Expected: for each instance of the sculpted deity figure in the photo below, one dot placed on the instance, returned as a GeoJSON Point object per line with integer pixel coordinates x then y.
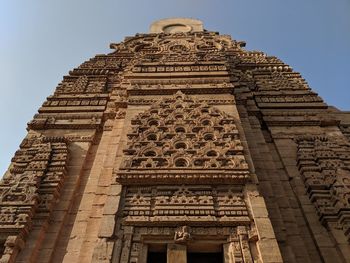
{"type": "Point", "coordinates": [182, 235]}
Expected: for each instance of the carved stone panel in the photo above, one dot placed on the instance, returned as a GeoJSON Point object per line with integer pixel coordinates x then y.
{"type": "Point", "coordinates": [324, 163]}
{"type": "Point", "coordinates": [30, 189]}
{"type": "Point", "coordinates": [194, 205]}
{"type": "Point", "coordinates": [182, 139]}
{"type": "Point", "coordinates": [233, 242]}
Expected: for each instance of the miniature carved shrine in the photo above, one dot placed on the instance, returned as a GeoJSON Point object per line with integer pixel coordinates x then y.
{"type": "Point", "coordinates": [180, 146]}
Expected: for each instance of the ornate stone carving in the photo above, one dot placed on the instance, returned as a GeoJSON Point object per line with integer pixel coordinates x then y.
{"type": "Point", "coordinates": [192, 204]}
{"type": "Point", "coordinates": [324, 163]}
{"type": "Point", "coordinates": [31, 186]}
{"type": "Point", "coordinates": [182, 234]}
{"type": "Point", "coordinates": [184, 170]}
{"type": "Point", "coordinates": [180, 135]}
{"type": "Point", "coordinates": [143, 101]}
{"type": "Point", "coordinates": [82, 84]}
{"type": "Point", "coordinates": [236, 246]}
{"type": "Point", "coordinates": [178, 43]}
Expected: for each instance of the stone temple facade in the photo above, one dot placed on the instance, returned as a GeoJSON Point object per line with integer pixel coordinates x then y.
{"type": "Point", "coordinates": [180, 146]}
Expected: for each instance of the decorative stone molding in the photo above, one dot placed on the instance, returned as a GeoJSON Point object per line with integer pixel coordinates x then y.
{"type": "Point", "coordinates": [324, 164]}
{"type": "Point", "coordinates": [180, 136]}
{"type": "Point", "coordinates": [237, 246]}
{"type": "Point", "coordinates": [193, 205]}
{"type": "Point", "coordinates": [30, 188]}
{"type": "Point", "coordinates": [144, 101]}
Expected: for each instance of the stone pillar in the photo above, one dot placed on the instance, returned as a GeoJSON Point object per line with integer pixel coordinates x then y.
{"type": "Point", "coordinates": [176, 253]}
{"type": "Point", "coordinates": [232, 251]}
{"type": "Point", "coordinates": [143, 254]}
{"type": "Point", "coordinates": [227, 254]}
{"type": "Point", "coordinates": [267, 244]}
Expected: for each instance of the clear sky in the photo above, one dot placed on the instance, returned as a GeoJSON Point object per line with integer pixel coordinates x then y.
{"type": "Point", "coordinates": [40, 41]}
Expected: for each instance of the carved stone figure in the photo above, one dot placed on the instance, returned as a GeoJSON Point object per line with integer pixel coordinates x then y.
{"type": "Point", "coordinates": [182, 235]}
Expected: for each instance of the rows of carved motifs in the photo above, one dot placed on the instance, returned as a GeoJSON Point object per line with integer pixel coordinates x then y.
{"type": "Point", "coordinates": [95, 67]}
{"type": "Point", "coordinates": [175, 84]}
{"type": "Point", "coordinates": [29, 190]}
{"type": "Point", "coordinates": [180, 133]}
{"type": "Point", "coordinates": [32, 185]}
{"type": "Point", "coordinates": [80, 101]}
{"type": "Point", "coordinates": [69, 94]}
{"type": "Point", "coordinates": [239, 247]}
{"type": "Point", "coordinates": [179, 128]}
{"type": "Point", "coordinates": [272, 85]}
{"type": "Point", "coordinates": [324, 163]}
{"type": "Point", "coordinates": [236, 75]}
{"type": "Point", "coordinates": [282, 98]}
{"type": "Point", "coordinates": [120, 99]}
{"type": "Point", "coordinates": [277, 96]}
{"type": "Point", "coordinates": [298, 105]}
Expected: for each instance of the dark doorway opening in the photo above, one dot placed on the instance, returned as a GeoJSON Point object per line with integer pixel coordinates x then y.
{"type": "Point", "coordinates": [156, 253]}
{"type": "Point", "coordinates": [204, 257]}
{"type": "Point", "coordinates": [156, 257]}
{"type": "Point", "coordinates": [2, 247]}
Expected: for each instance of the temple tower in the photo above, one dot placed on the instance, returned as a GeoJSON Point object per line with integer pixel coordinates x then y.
{"type": "Point", "coordinates": [180, 146]}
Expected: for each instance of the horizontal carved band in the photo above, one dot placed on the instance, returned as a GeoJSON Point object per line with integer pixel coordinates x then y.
{"type": "Point", "coordinates": [217, 177]}
{"type": "Point", "coordinates": [195, 205]}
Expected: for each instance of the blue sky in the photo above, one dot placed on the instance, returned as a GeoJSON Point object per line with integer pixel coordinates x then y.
{"type": "Point", "coordinates": [42, 40]}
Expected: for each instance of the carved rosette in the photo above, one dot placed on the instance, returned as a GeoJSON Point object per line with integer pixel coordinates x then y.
{"type": "Point", "coordinates": [179, 140]}
{"type": "Point", "coordinates": [324, 163]}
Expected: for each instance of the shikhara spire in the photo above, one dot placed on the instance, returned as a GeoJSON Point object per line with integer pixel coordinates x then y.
{"type": "Point", "coordinates": [180, 146]}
